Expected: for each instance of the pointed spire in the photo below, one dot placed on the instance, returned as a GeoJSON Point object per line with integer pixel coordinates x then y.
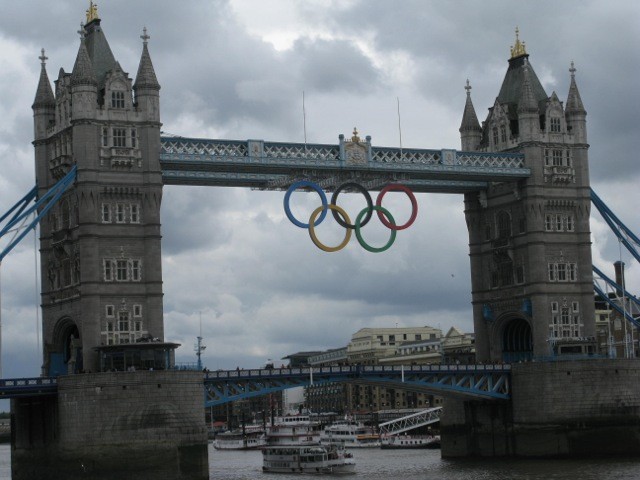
{"type": "Point", "coordinates": [527, 102]}
{"type": "Point", "coordinates": [469, 118]}
{"type": "Point", "coordinates": [574, 102]}
{"type": "Point", "coordinates": [146, 76]}
{"type": "Point", "coordinates": [83, 73]}
{"type": "Point", "coordinates": [44, 93]}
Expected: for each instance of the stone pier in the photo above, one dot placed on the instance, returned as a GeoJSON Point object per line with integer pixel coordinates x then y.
{"type": "Point", "coordinates": [142, 425]}
{"type": "Point", "coordinates": [558, 409]}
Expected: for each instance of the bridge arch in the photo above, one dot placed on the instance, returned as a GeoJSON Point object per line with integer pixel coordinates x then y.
{"type": "Point", "coordinates": [65, 352]}
{"type": "Point", "coordinates": [516, 338]}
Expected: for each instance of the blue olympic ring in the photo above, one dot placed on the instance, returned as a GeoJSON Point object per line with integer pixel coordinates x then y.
{"type": "Point", "coordinates": [323, 198]}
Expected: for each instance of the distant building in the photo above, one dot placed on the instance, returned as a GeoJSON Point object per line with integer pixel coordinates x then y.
{"type": "Point", "coordinates": [615, 336]}
{"type": "Point", "coordinates": [458, 347]}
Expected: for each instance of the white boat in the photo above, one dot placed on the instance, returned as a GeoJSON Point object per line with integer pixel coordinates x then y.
{"type": "Point", "coordinates": [350, 434]}
{"type": "Point", "coordinates": [250, 439]}
{"type": "Point", "coordinates": [410, 441]}
{"type": "Point", "coordinates": [307, 459]}
{"type": "Point", "coordinates": [293, 430]}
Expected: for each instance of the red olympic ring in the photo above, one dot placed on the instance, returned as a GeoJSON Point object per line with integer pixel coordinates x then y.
{"type": "Point", "coordinates": [396, 187]}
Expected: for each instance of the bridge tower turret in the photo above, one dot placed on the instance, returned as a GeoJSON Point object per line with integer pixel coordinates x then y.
{"type": "Point", "coordinates": [530, 248]}
{"type": "Point", "coordinates": [100, 245]}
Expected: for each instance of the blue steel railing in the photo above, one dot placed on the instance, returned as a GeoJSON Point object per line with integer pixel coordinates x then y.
{"type": "Point", "coordinates": [479, 381]}
{"type": "Point", "coordinates": [28, 387]}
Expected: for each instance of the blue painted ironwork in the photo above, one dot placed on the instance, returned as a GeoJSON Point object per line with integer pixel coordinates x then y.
{"type": "Point", "coordinates": [624, 234]}
{"type": "Point", "coordinates": [44, 203]}
{"type": "Point", "coordinates": [490, 382]}
{"type": "Point", "coordinates": [28, 387]}
{"type": "Point", "coordinates": [275, 166]}
{"type": "Point", "coordinates": [617, 306]}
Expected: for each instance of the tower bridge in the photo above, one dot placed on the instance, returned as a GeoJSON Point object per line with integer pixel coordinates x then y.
{"type": "Point", "coordinates": [524, 174]}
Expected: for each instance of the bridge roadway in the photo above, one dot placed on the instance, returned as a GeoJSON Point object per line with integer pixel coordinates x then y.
{"type": "Point", "coordinates": [275, 166]}
{"type": "Point", "coordinates": [480, 381]}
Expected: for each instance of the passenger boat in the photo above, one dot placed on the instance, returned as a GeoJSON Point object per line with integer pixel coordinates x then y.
{"type": "Point", "coordinates": [249, 439]}
{"type": "Point", "coordinates": [293, 430]}
{"type": "Point", "coordinates": [307, 459]}
{"type": "Point", "coordinates": [410, 441]}
{"type": "Point", "coordinates": [350, 434]}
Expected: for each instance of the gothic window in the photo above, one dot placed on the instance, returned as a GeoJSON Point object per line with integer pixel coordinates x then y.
{"type": "Point", "coordinates": [503, 133]}
{"type": "Point", "coordinates": [503, 221]}
{"type": "Point", "coordinates": [506, 273]}
{"type": "Point", "coordinates": [106, 213]}
{"type": "Point", "coordinates": [134, 138]}
{"type": "Point", "coordinates": [109, 310]}
{"type": "Point", "coordinates": [123, 321]}
{"type": "Point", "coordinates": [557, 157]}
{"type": "Point", "coordinates": [134, 213]}
{"type": "Point", "coordinates": [108, 270]}
{"type": "Point", "coordinates": [548, 222]}
{"type": "Point", "coordinates": [121, 270]}
{"type": "Point", "coordinates": [552, 272]}
{"type": "Point", "coordinates": [105, 137]}
{"type": "Point", "coordinates": [117, 99]}
{"type": "Point", "coordinates": [136, 274]}
{"type": "Point", "coordinates": [561, 272]}
{"type": "Point", "coordinates": [487, 231]}
{"type": "Point", "coordinates": [119, 137]}
{"type": "Point", "coordinates": [568, 223]}
{"type": "Point", "coordinates": [571, 272]}
{"type": "Point", "coordinates": [495, 135]}
{"type": "Point", "coordinates": [559, 223]}
{"type": "Point", "coordinates": [555, 124]}
{"type": "Point", "coordinates": [137, 310]}
{"type": "Point", "coordinates": [120, 215]}
{"type": "Point", "coordinates": [109, 326]}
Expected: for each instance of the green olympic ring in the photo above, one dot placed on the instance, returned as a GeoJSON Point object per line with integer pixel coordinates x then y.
{"type": "Point", "coordinates": [392, 237]}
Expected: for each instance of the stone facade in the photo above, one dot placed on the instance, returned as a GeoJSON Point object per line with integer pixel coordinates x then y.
{"type": "Point", "coordinates": [100, 244]}
{"type": "Point", "coordinates": [530, 247]}
{"type": "Point", "coordinates": [558, 409]}
{"type": "Point", "coordinates": [143, 425]}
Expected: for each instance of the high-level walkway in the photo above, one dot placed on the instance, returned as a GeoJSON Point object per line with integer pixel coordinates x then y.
{"type": "Point", "coordinates": [273, 166]}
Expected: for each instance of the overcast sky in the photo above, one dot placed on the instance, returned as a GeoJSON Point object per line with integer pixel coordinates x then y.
{"type": "Point", "coordinates": [236, 69]}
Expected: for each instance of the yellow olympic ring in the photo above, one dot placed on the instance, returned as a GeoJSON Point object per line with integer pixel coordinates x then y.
{"type": "Point", "coordinates": [312, 232]}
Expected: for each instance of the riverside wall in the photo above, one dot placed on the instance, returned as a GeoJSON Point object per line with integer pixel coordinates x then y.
{"type": "Point", "coordinates": [120, 425]}
{"type": "Point", "coordinates": [558, 409]}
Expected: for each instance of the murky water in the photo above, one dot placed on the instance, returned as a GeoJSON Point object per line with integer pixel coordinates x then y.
{"type": "Point", "coordinates": [376, 464]}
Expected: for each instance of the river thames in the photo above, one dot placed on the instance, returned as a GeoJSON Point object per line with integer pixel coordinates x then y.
{"type": "Point", "coordinates": [376, 464]}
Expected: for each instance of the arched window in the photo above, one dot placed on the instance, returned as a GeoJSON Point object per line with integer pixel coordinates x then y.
{"type": "Point", "coordinates": [503, 225]}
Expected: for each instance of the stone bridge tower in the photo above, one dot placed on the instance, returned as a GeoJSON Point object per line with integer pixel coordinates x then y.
{"type": "Point", "coordinates": [100, 245]}
{"type": "Point", "coordinates": [530, 247]}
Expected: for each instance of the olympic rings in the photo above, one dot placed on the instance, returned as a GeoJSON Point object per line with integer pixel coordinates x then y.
{"type": "Point", "coordinates": [295, 186]}
{"type": "Point", "coordinates": [381, 211]}
{"type": "Point", "coordinates": [342, 217]}
{"type": "Point", "coordinates": [337, 210]}
{"type": "Point", "coordinates": [367, 197]}
{"type": "Point", "coordinates": [414, 204]}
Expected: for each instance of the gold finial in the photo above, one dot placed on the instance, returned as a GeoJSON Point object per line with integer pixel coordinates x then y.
{"type": "Point", "coordinates": [92, 12]}
{"type": "Point", "coordinates": [355, 137]}
{"type": "Point", "coordinates": [518, 49]}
